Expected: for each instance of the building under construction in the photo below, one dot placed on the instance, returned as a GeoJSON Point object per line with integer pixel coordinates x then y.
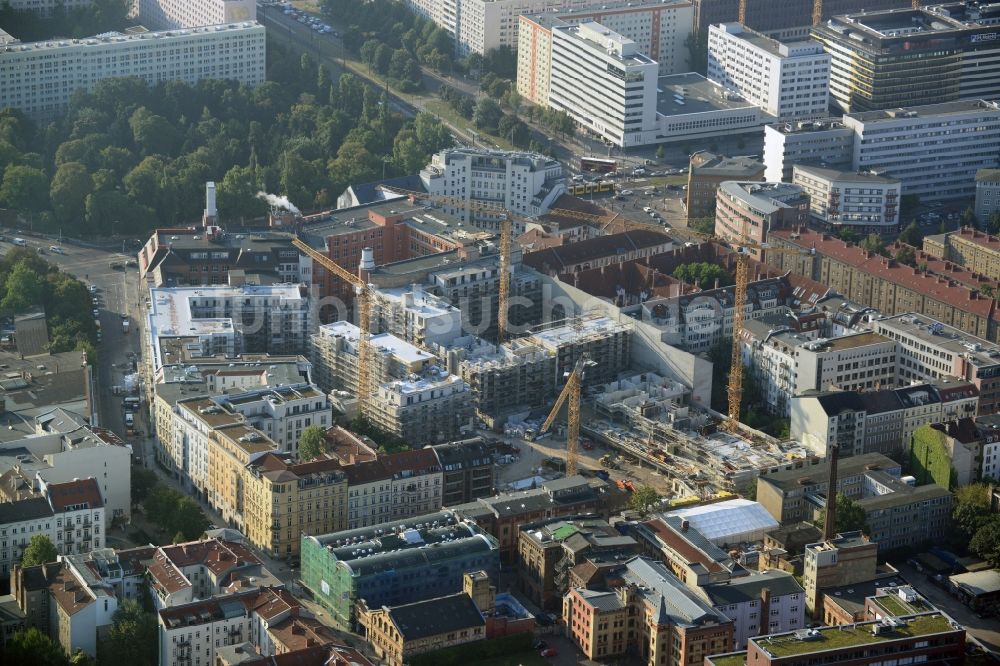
{"type": "Point", "coordinates": [606, 341]}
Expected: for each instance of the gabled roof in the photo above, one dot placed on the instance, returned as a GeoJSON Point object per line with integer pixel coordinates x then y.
{"type": "Point", "coordinates": [84, 492]}
{"type": "Point", "coordinates": [749, 588]}
{"type": "Point", "coordinates": [434, 617]}
{"type": "Point", "coordinates": [559, 258]}
{"type": "Point", "coordinates": [26, 509]}
{"type": "Point", "coordinates": [416, 461]}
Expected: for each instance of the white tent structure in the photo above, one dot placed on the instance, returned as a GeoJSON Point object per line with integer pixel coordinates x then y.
{"type": "Point", "coordinates": [730, 522]}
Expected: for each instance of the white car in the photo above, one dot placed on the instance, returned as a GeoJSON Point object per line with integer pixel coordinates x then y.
{"type": "Point", "coordinates": [56, 249]}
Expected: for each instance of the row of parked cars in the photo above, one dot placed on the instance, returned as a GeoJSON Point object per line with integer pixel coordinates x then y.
{"type": "Point", "coordinates": [302, 17]}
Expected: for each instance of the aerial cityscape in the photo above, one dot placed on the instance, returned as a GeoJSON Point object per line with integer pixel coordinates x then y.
{"type": "Point", "coordinates": [499, 332]}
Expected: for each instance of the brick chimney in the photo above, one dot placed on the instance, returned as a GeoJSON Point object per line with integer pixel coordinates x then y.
{"type": "Point", "coordinates": [765, 612]}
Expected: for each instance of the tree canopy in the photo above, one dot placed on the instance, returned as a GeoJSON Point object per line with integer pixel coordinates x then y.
{"type": "Point", "coordinates": [311, 443]}
{"type": "Point", "coordinates": [40, 550]}
{"type": "Point", "coordinates": [643, 499]}
{"type": "Point", "coordinates": [30, 646]}
{"type": "Point", "coordinates": [175, 513]}
{"type": "Point", "coordinates": [132, 638]}
{"type": "Point", "coordinates": [850, 516]}
{"type": "Point", "coordinates": [704, 273]}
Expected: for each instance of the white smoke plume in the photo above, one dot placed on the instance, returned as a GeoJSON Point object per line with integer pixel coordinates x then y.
{"type": "Point", "coordinates": [279, 202]}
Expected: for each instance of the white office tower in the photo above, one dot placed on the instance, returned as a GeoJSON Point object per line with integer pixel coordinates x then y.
{"type": "Point", "coordinates": [790, 81]}
{"type": "Point", "coordinates": [602, 81]}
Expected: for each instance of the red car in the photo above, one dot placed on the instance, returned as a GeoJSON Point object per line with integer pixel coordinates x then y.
{"type": "Point", "coordinates": [549, 652]}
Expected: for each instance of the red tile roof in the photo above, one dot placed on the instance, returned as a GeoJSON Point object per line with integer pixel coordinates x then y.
{"type": "Point", "coordinates": [422, 461]}
{"type": "Point", "coordinates": [979, 238]}
{"type": "Point", "coordinates": [945, 268]}
{"type": "Point", "coordinates": [75, 493]}
{"type": "Point", "coordinates": [682, 546]}
{"type": "Point", "coordinates": [938, 288]}
{"type": "Point", "coordinates": [593, 249]}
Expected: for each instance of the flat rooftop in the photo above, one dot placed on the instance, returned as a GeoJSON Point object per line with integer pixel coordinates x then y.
{"type": "Point", "coordinates": [960, 107]}
{"type": "Point", "coordinates": [106, 38]}
{"type": "Point", "coordinates": [853, 341]}
{"type": "Point", "coordinates": [681, 94]}
{"type": "Point", "coordinates": [386, 343]}
{"type": "Point", "coordinates": [419, 302]}
{"type": "Point", "coordinates": [808, 126]}
{"type": "Point", "coordinates": [977, 350]}
{"type": "Point", "coordinates": [600, 38]}
{"type": "Point", "coordinates": [847, 636]}
{"type": "Point", "coordinates": [577, 332]}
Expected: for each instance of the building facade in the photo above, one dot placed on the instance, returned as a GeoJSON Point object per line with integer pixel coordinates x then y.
{"type": "Point", "coordinates": [788, 80]}
{"type": "Point", "coordinates": [706, 172]}
{"type": "Point", "coordinates": [846, 200]}
{"type": "Point", "coordinates": [39, 78]}
{"type": "Point", "coordinates": [746, 212]}
{"type": "Point", "coordinates": [175, 14]}
{"type": "Point", "coordinates": [825, 142]}
{"type": "Point", "coordinates": [987, 195]}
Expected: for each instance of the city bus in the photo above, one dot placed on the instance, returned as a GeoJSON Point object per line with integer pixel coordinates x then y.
{"type": "Point", "coordinates": [598, 164]}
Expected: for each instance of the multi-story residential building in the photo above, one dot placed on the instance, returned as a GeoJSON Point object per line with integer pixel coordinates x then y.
{"type": "Point", "coordinates": [197, 256]}
{"type": "Point", "coordinates": [433, 552]}
{"type": "Point", "coordinates": [205, 321]}
{"type": "Point", "coordinates": [503, 515]}
{"type": "Point", "coordinates": [81, 453]}
{"type": "Point", "coordinates": [706, 171]}
{"type": "Point", "coordinates": [70, 514]}
{"type": "Point", "coordinates": [976, 250]}
{"type": "Point", "coordinates": [401, 632]}
{"type": "Point", "coordinates": [231, 449]}
{"type": "Point", "coordinates": [174, 14]}
{"type": "Point", "coordinates": [881, 283]}
{"type": "Point", "coordinates": [417, 316]}
{"type": "Point", "coordinates": [369, 494]}
{"type": "Point", "coordinates": [928, 350]}
{"type": "Point", "coordinates": [839, 199]}
{"type": "Point", "coordinates": [987, 195]}
{"type": "Point", "coordinates": [880, 421]}
{"type": "Point", "coordinates": [284, 500]}
{"type": "Point", "coordinates": [335, 357]}
{"type": "Point", "coordinates": [601, 251]}
{"type": "Point", "coordinates": [747, 212]}
{"type": "Point", "coordinates": [649, 612]}
{"type": "Point", "coordinates": [467, 470]}
{"type": "Point", "coordinates": [235, 51]}
{"type": "Point", "coordinates": [659, 30]}
{"type": "Point", "coordinates": [281, 413]}
{"type": "Point", "coordinates": [826, 142]}
{"type": "Point", "coordinates": [688, 554]}
{"type": "Point", "coordinates": [788, 80]}
{"type": "Point", "coordinates": [931, 637]}
{"type": "Point", "coordinates": [759, 604]}
{"type": "Point", "coordinates": [431, 408]}
{"type": "Point", "coordinates": [606, 341]}
{"type": "Point", "coordinates": [906, 57]}
{"type": "Point", "coordinates": [415, 482]}
{"type": "Point", "coordinates": [547, 549]}
{"type": "Point", "coordinates": [526, 184]}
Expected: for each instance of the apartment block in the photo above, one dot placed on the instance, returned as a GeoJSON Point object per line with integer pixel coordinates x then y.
{"type": "Point", "coordinates": [175, 14]}
{"type": "Point", "coordinates": [928, 350]}
{"type": "Point", "coordinates": [70, 514]}
{"type": "Point", "coordinates": [758, 604]}
{"type": "Point", "coordinates": [466, 470]}
{"type": "Point", "coordinates": [881, 283]}
{"type": "Point", "coordinates": [987, 195]}
{"type": "Point", "coordinates": [431, 408]}
{"type": "Point", "coordinates": [607, 342]}
{"type": "Point", "coordinates": [750, 211]}
{"type": "Point", "coordinates": [416, 482]}
{"type": "Point", "coordinates": [526, 184]}
{"type": "Point", "coordinates": [881, 421]}
{"type": "Point", "coordinates": [285, 500]}
{"type": "Point", "coordinates": [648, 612]}
{"type": "Point", "coordinates": [234, 51]}
{"type": "Point", "coordinates": [199, 256]}
{"type": "Point", "coordinates": [335, 357]}
{"type": "Point", "coordinates": [975, 250]}
{"type": "Point", "coordinates": [788, 80]}
{"type": "Point", "coordinates": [548, 549]}
{"type": "Point", "coordinates": [843, 560]}
{"type": "Point", "coordinates": [45, 8]}
{"type": "Point", "coordinates": [232, 448]}
{"type": "Point", "coordinates": [61, 457]}
{"type": "Point", "coordinates": [281, 413]}
{"type": "Point", "coordinates": [417, 316]}
{"type": "Point", "coordinates": [433, 551]}
{"type": "Point", "coordinates": [505, 378]}
{"type": "Point", "coordinates": [604, 250]}
{"type": "Point", "coordinates": [906, 57]}
{"type": "Point", "coordinates": [707, 171]}
{"type": "Point", "coordinates": [863, 202]}
{"type": "Point", "coordinates": [931, 637]}
{"type": "Point", "coordinates": [205, 321]}
{"type": "Point", "coordinates": [659, 29]}
{"type": "Point", "coordinates": [827, 142]}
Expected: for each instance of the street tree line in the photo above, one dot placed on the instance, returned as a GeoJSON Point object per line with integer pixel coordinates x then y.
{"type": "Point", "coordinates": [128, 157]}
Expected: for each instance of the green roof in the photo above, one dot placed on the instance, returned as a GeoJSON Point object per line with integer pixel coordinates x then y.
{"type": "Point", "coordinates": [731, 659]}
{"type": "Point", "coordinates": [834, 638]}
{"type": "Point", "coordinates": [564, 532]}
{"type": "Point", "coordinates": [896, 606]}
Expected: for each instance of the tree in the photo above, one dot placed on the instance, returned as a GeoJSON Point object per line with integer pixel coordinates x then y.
{"type": "Point", "coordinates": [189, 519]}
{"type": "Point", "coordinates": [969, 218]}
{"type": "Point", "coordinates": [906, 256]}
{"type": "Point", "coordinates": [907, 204]}
{"type": "Point", "coordinates": [24, 188]}
{"type": "Point", "coordinates": [70, 186]}
{"type": "Point", "coordinates": [132, 638]}
{"type": "Point", "coordinates": [847, 235]}
{"type": "Point", "coordinates": [697, 46]}
{"type": "Point", "coordinates": [40, 550]}
{"type": "Point", "coordinates": [911, 235]}
{"type": "Point", "coordinates": [30, 646]}
{"type": "Point", "coordinates": [238, 195]}
{"type": "Point", "coordinates": [143, 483]}
{"type": "Point", "coordinates": [23, 288]}
{"type": "Point", "coordinates": [178, 538]}
{"type": "Point", "coordinates": [487, 115]}
{"type": "Point", "coordinates": [382, 58]}
{"type": "Point", "coordinates": [705, 274]}
{"type": "Point", "coordinates": [312, 443]}
{"type": "Point", "coordinates": [971, 509]}
{"type": "Point", "coordinates": [850, 516]}
{"type": "Point", "coordinates": [873, 243]}
{"type": "Point", "coordinates": [644, 499]}
{"type": "Point", "coordinates": [153, 134]}
{"type": "Point", "coordinates": [986, 542]}
{"type": "Point", "coordinates": [995, 223]}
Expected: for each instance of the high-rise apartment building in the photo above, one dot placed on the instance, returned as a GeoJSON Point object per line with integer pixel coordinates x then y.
{"type": "Point", "coordinates": [174, 14]}
{"type": "Point", "coordinates": [39, 78]}
{"type": "Point", "coordinates": [788, 80]}
{"type": "Point", "coordinates": [907, 57]}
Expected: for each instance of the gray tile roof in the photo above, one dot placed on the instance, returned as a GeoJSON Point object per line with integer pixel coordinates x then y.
{"type": "Point", "coordinates": [748, 588]}
{"type": "Point", "coordinates": [28, 509]}
{"type": "Point", "coordinates": [436, 616]}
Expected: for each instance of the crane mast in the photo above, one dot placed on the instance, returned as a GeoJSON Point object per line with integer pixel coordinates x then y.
{"type": "Point", "coordinates": [571, 395]}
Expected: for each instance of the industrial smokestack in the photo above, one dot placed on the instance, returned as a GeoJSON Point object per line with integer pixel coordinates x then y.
{"type": "Point", "coordinates": [830, 524]}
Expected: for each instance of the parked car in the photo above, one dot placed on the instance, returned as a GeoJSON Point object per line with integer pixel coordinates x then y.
{"type": "Point", "coordinates": [56, 249]}
{"type": "Point", "coordinates": [549, 652]}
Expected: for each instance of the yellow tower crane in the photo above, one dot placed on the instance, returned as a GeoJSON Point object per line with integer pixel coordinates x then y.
{"type": "Point", "coordinates": [570, 394]}
{"type": "Point", "coordinates": [366, 296]}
